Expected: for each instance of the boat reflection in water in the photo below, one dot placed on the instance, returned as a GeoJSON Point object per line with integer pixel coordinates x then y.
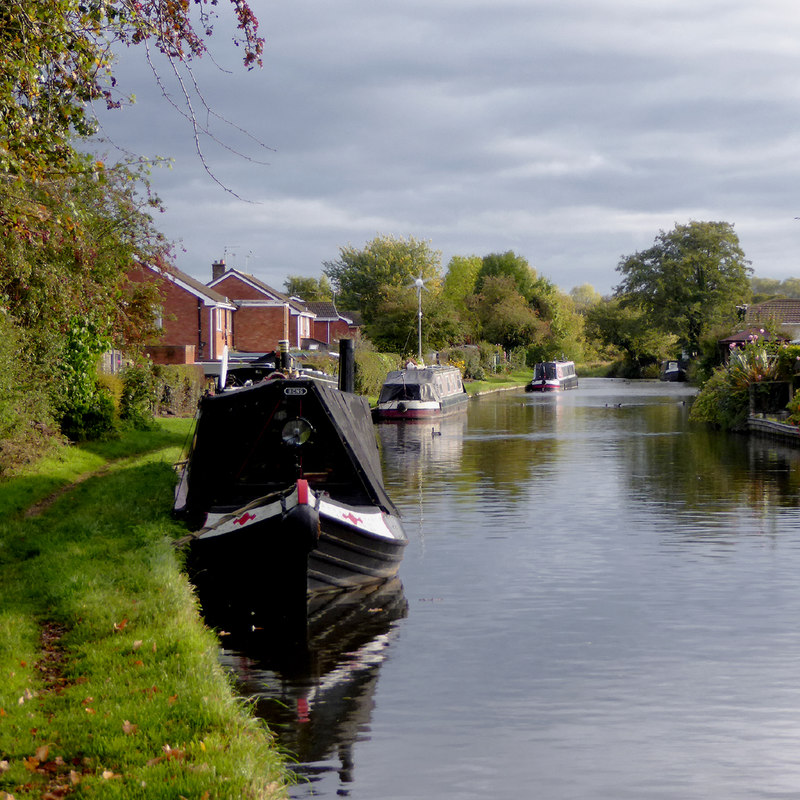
{"type": "Point", "coordinates": [316, 692]}
{"type": "Point", "coordinates": [437, 442]}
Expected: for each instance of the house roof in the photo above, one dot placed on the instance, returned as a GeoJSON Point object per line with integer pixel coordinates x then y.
{"type": "Point", "coordinates": [782, 311]}
{"type": "Point", "coordinates": [209, 296]}
{"type": "Point", "coordinates": [264, 288]}
{"type": "Point", "coordinates": [353, 317]}
{"type": "Point", "coordinates": [326, 311]}
{"type": "Point", "coordinates": [751, 334]}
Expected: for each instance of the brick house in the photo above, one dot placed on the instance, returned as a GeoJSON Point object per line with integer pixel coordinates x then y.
{"type": "Point", "coordinates": [329, 325]}
{"type": "Point", "coordinates": [196, 321]}
{"type": "Point", "coordinates": [264, 316]}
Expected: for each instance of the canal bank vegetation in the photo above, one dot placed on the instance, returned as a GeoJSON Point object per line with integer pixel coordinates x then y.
{"type": "Point", "coordinates": [110, 684]}
{"type": "Point", "coordinates": [757, 378]}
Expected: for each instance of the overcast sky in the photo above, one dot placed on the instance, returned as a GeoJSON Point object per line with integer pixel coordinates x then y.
{"type": "Point", "coordinates": [568, 131]}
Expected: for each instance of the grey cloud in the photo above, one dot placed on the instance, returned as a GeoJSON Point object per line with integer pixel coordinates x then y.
{"type": "Point", "coordinates": [571, 132]}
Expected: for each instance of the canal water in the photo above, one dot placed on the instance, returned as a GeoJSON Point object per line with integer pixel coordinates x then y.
{"type": "Point", "coordinates": [598, 600]}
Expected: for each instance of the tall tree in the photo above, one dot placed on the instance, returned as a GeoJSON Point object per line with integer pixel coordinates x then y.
{"type": "Point", "coordinates": [460, 280]}
{"type": "Point", "coordinates": [361, 276]}
{"type": "Point", "coordinates": [510, 265]}
{"type": "Point", "coordinates": [67, 292]}
{"type": "Point", "coordinates": [394, 326]}
{"type": "Point", "coordinates": [692, 278]}
{"type": "Point", "coordinates": [503, 315]}
{"type": "Point", "coordinates": [630, 330]}
{"type": "Point", "coordinates": [584, 297]}
{"type": "Point", "coordinates": [308, 289]}
{"type": "Point", "coordinates": [57, 60]}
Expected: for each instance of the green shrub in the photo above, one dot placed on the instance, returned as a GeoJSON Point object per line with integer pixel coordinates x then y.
{"type": "Point", "coordinates": [371, 369]}
{"type": "Point", "coordinates": [721, 403]}
{"type": "Point", "coordinates": [89, 418]}
{"type": "Point", "coordinates": [793, 407]}
{"type": "Point", "coordinates": [788, 357]}
{"type": "Point", "coordinates": [157, 389]}
{"type": "Point", "coordinates": [114, 386]}
{"type": "Point", "coordinates": [27, 425]}
{"type": "Point", "coordinates": [177, 389]}
{"type": "Point", "coordinates": [138, 395]}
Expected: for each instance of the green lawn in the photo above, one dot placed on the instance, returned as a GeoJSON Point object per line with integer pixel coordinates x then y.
{"type": "Point", "coordinates": [110, 685]}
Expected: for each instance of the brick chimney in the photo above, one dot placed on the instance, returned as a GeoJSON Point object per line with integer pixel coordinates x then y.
{"type": "Point", "coordinates": [217, 269]}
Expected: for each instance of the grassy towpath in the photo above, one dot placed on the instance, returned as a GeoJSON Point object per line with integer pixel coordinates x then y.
{"type": "Point", "coordinates": [498, 383]}
{"type": "Point", "coordinates": [110, 685]}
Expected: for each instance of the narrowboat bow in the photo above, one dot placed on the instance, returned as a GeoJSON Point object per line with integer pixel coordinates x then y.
{"type": "Point", "coordinates": [284, 495]}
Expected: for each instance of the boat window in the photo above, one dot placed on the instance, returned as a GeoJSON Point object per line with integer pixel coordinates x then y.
{"type": "Point", "coordinates": [427, 392]}
{"type": "Point", "coordinates": [546, 370]}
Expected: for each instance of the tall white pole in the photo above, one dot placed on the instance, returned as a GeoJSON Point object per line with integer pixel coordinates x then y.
{"type": "Point", "coordinates": [419, 284]}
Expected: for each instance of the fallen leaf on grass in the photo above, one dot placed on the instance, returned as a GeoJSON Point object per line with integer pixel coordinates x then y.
{"type": "Point", "coordinates": [172, 700]}
{"type": "Point", "coordinates": [4, 767]}
{"type": "Point", "coordinates": [137, 644]}
{"type": "Point", "coordinates": [120, 626]}
{"type": "Point", "coordinates": [6, 796]}
{"type": "Point", "coordinates": [169, 754]}
{"type": "Point", "coordinates": [108, 775]}
{"type": "Point", "coordinates": [27, 695]}
{"type": "Point", "coordinates": [128, 728]}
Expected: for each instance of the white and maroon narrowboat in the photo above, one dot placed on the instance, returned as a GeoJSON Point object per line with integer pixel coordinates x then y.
{"type": "Point", "coordinates": [421, 393]}
{"type": "Point", "coordinates": [553, 376]}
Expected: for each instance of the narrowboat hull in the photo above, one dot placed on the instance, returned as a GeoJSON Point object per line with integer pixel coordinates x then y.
{"type": "Point", "coordinates": [412, 409]}
{"type": "Point", "coordinates": [544, 387]}
{"type": "Point", "coordinates": [297, 544]}
{"type": "Point", "coordinates": [551, 386]}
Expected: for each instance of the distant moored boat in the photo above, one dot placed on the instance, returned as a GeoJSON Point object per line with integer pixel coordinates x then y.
{"type": "Point", "coordinates": [552, 376]}
{"type": "Point", "coordinates": [421, 392]}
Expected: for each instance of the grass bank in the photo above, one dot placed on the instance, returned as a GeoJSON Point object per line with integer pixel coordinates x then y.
{"type": "Point", "coordinates": [110, 685]}
{"type": "Point", "coordinates": [493, 383]}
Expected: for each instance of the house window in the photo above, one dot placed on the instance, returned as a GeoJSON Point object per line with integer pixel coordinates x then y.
{"type": "Point", "coordinates": [158, 314]}
{"type": "Point", "coordinates": [218, 312]}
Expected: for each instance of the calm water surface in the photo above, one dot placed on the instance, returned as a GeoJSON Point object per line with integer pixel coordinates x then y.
{"type": "Point", "coordinates": [597, 601]}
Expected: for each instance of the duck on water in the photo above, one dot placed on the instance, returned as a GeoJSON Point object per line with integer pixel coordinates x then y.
{"type": "Point", "coordinates": [283, 492]}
